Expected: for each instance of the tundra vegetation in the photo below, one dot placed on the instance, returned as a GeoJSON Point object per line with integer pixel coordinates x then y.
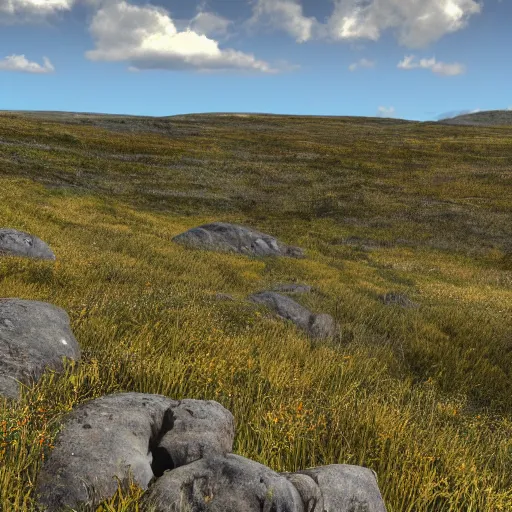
{"type": "Point", "coordinates": [422, 395]}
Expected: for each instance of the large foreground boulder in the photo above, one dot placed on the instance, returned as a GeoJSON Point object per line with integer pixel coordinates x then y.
{"type": "Point", "coordinates": [179, 450]}
{"type": "Point", "coordinates": [234, 483]}
{"type": "Point", "coordinates": [126, 435]}
{"type": "Point", "coordinates": [34, 336]}
{"type": "Point", "coordinates": [223, 484]}
{"type": "Point", "coordinates": [19, 243]}
{"type": "Point", "coordinates": [221, 236]}
{"type": "Point", "coordinates": [338, 488]}
{"type": "Point", "coordinates": [318, 326]}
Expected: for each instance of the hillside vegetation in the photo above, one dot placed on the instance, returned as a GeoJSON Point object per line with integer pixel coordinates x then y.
{"type": "Point", "coordinates": [485, 118]}
{"type": "Point", "coordinates": [423, 396]}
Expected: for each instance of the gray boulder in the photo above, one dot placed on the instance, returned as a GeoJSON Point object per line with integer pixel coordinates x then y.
{"type": "Point", "coordinates": [19, 243]}
{"type": "Point", "coordinates": [126, 435]}
{"type": "Point", "coordinates": [223, 484]}
{"type": "Point", "coordinates": [34, 336]}
{"type": "Point", "coordinates": [338, 488]}
{"type": "Point", "coordinates": [317, 326]}
{"type": "Point", "coordinates": [221, 236]}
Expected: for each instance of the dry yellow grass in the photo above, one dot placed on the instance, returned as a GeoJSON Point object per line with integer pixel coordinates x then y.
{"type": "Point", "coordinates": [422, 396]}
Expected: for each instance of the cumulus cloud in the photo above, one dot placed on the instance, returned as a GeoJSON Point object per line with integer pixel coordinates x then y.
{"type": "Point", "coordinates": [22, 64]}
{"type": "Point", "coordinates": [417, 22]}
{"type": "Point", "coordinates": [361, 63]}
{"type": "Point", "coordinates": [147, 38]}
{"type": "Point", "coordinates": [208, 24]}
{"type": "Point", "coordinates": [286, 15]}
{"type": "Point", "coordinates": [440, 68]}
{"type": "Point", "coordinates": [22, 11]}
{"type": "Point", "coordinates": [386, 112]}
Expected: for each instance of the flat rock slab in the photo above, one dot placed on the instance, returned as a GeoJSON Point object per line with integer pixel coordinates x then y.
{"type": "Point", "coordinates": [316, 325]}
{"type": "Point", "coordinates": [34, 336]}
{"type": "Point", "coordinates": [129, 434]}
{"type": "Point", "coordinates": [225, 237]}
{"type": "Point", "coordinates": [19, 243]}
{"type": "Point", "coordinates": [223, 484]}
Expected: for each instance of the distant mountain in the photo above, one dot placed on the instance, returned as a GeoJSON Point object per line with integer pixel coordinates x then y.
{"type": "Point", "coordinates": [484, 118]}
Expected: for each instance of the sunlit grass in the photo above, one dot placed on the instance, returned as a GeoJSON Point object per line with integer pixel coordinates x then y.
{"type": "Point", "coordinates": [422, 396]}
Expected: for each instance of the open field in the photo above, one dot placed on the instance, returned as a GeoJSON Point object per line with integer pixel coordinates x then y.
{"type": "Point", "coordinates": [422, 396]}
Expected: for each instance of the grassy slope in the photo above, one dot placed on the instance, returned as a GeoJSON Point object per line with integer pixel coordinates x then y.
{"type": "Point", "coordinates": [485, 118]}
{"type": "Point", "coordinates": [422, 396]}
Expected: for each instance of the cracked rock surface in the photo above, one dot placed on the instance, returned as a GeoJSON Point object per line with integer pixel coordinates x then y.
{"type": "Point", "coordinates": [34, 336]}
{"type": "Point", "coordinates": [122, 433]}
{"type": "Point", "coordinates": [19, 243]}
{"type": "Point", "coordinates": [179, 450]}
{"type": "Point", "coordinates": [222, 236]}
{"type": "Point", "coordinates": [316, 325]}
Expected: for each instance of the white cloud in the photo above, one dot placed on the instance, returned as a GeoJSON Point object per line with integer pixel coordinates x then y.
{"type": "Point", "coordinates": [362, 63]}
{"type": "Point", "coordinates": [13, 11]}
{"type": "Point", "coordinates": [286, 15]}
{"type": "Point", "coordinates": [438, 67]}
{"type": "Point", "coordinates": [20, 63]}
{"type": "Point", "coordinates": [417, 22]}
{"type": "Point", "coordinates": [208, 23]}
{"type": "Point", "coordinates": [386, 112]}
{"type": "Point", "coordinates": [147, 38]}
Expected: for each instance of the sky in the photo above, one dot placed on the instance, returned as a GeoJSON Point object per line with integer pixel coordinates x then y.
{"type": "Point", "coordinates": [410, 59]}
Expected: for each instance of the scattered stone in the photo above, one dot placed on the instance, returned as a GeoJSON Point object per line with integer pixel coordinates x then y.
{"type": "Point", "coordinates": [129, 434]}
{"type": "Point", "coordinates": [34, 336]}
{"type": "Point", "coordinates": [317, 326]}
{"type": "Point", "coordinates": [292, 288]}
{"type": "Point", "coordinates": [179, 452]}
{"type": "Point", "coordinates": [399, 299]}
{"type": "Point", "coordinates": [19, 243]}
{"type": "Point", "coordinates": [226, 237]}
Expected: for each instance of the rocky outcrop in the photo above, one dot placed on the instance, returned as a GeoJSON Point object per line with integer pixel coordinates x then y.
{"type": "Point", "coordinates": [319, 326]}
{"type": "Point", "coordinates": [179, 450]}
{"type": "Point", "coordinates": [129, 435]}
{"type": "Point", "coordinates": [34, 336]}
{"type": "Point", "coordinates": [221, 236]}
{"type": "Point", "coordinates": [19, 243]}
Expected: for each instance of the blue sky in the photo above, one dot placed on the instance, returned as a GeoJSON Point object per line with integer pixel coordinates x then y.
{"type": "Point", "coordinates": [410, 59]}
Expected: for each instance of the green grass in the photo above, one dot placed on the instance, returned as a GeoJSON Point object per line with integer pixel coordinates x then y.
{"type": "Point", "coordinates": [422, 396]}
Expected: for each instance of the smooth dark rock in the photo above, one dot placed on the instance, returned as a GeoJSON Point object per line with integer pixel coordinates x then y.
{"type": "Point", "coordinates": [222, 236]}
{"type": "Point", "coordinates": [34, 336]}
{"type": "Point", "coordinates": [19, 243]}
{"type": "Point", "coordinates": [317, 326]}
{"type": "Point", "coordinates": [223, 484]}
{"type": "Point", "coordinates": [128, 433]}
